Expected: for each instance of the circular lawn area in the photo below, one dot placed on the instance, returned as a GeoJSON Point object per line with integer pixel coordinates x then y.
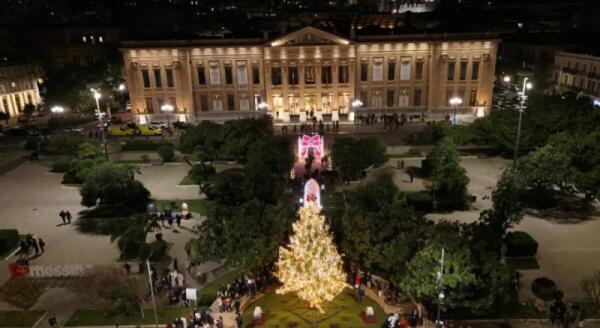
{"type": "Point", "coordinates": [283, 311]}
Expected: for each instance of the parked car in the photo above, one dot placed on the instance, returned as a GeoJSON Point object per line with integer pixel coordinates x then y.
{"type": "Point", "coordinates": [162, 125]}
{"type": "Point", "coordinates": [117, 130]}
{"type": "Point", "coordinates": [74, 130]}
{"type": "Point", "coordinates": [149, 130]}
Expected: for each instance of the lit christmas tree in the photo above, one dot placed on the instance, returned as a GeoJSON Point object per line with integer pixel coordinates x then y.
{"type": "Point", "coordinates": [311, 267]}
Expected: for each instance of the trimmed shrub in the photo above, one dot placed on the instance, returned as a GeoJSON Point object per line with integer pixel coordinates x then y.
{"type": "Point", "coordinates": [9, 239]}
{"type": "Point", "coordinates": [143, 145]}
{"type": "Point", "coordinates": [544, 289]}
{"type": "Point", "coordinates": [166, 152]}
{"type": "Point", "coordinates": [70, 178]}
{"type": "Point", "coordinates": [421, 201]}
{"type": "Point", "coordinates": [416, 152]}
{"type": "Point", "coordinates": [520, 244]}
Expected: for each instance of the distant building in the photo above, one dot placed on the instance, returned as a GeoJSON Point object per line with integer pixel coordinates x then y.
{"type": "Point", "coordinates": [18, 87]}
{"type": "Point", "coordinates": [310, 71]}
{"type": "Point", "coordinates": [578, 72]}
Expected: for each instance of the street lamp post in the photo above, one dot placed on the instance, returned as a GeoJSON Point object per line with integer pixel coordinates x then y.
{"type": "Point", "coordinates": [122, 89]}
{"type": "Point", "coordinates": [152, 289]}
{"type": "Point", "coordinates": [97, 95]}
{"type": "Point", "coordinates": [526, 86]}
{"type": "Point", "coordinates": [440, 276]}
{"type": "Point", "coordinates": [506, 79]}
{"type": "Point", "coordinates": [167, 108]}
{"type": "Point", "coordinates": [455, 102]}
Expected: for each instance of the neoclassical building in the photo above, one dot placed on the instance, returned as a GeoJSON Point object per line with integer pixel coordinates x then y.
{"type": "Point", "coordinates": [312, 71]}
{"type": "Point", "coordinates": [18, 87]}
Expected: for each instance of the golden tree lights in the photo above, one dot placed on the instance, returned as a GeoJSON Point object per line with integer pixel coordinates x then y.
{"type": "Point", "coordinates": [310, 266]}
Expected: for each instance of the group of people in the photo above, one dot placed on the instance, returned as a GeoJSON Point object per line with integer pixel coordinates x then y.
{"type": "Point", "coordinates": [29, 244]}
{"type": "Point", "coordinates": [171, 218]}
{"type": "Point", "coordinates": [396, 320]}
{"type": "Point", "coordinates": [315, 126]}
{"type": "Point", "coordinates": [565, 316]}
{"type": "Point", "coordinates": [65, 216]}
{"type": "Point", "coordinates": [198, 319]}
{"type": "Point", "coordinates": [390, 121]}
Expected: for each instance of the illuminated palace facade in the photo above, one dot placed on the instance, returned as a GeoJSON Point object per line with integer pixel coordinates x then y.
{"type": "Point", "coordinates": [311, 71]}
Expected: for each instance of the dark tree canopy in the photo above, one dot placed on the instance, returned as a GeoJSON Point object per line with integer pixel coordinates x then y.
{"type": "Point", "coordinates": [352, 156]}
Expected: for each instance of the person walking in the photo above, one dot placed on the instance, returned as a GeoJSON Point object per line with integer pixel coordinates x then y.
{"type": "Point", "coordinates": [68, 215]}
{"type": "Point", "coordinates": [35, 246]}
{"type": "Point", "coordinates": [52, 321]}
{"type": "Point", "coordinates": [361, 294]}
{"type": "Point", "coordinates": [42, 245]}
{"type": "Point", "coordinates": [63, 216]}
{"type": "Point", "coordinates": [412, 176]}
{"type": "Point", "coordinates": [238, 320]}
{"type": "Point", "coordinates": [178, 219]}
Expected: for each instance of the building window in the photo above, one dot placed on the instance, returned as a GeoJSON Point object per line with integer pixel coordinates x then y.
{"type": "Point", "coordinates": [170, 81]}
{"type": "Point", "coordinates": [230, 103]}
{"type": "Point", "coordinates": [378, 69]}
{"type": "Point", "coordinates": [204, 103]}
{"type": "Point", "coordinates": [228, 75]}
{"type": "Point", "coordinates": [146, 78]}
{"type": "Point", "coordinates": [419, 71]}
{"type": "Point", "coordinates": [201, 75]}
{"type": "Point", "coordinates": [463, 70]}
{"type": "Point", "coordinates": [276, 76]}
{"type": "Point", "coordinates": [242, 73]}
{"type": "Point", "coordinates": [364, 72]}
{"type": "Point", "coordinates": [389, 100]}
{"type": "Point", "coordinates": [215, 75]}
{"type": "Point", "coordinates": [217, 104]}
{"type": "Point", "coordinates": [343, 74]}
{"type": "Point", "coordinates": [157, 78]}
{"type": "Point", "coordinates": [244, 104]}
{"type": "Point", "coordinates": [326, 100]}
{"type": "Point", "coordinates": [451, 69]}
{"type": "Point", "coordinates": [377, 101]}
{"type": "Point", "coordinates": [293, 78]}
{"type": "Point", "coordinates": [405, 71]}
{"type": "Point", "coordinates": [326, 75]}
{"type": "Point", "coordinates": [277, 102]}
{"type": "Point", "coordinates": [149, 106]}
{"type": "Point", "coordinates": [391, 71]}
{"type": "Point", "coordinates": [364, 98]}
{"type": "Point", "coordinates": [417, 97]}
{"type": "Point", "coordinates": [255, 75]}
{"type": "Point", "coordinates": [294, 103]}
{"type": "Point", "coordinates": [343, 101]}
{"type": "Point", "coordinates": [475, 71]}
{"type": "Point", "coordinates": [309, 75]}
{"type": "Point", "coordinates": [473, 98]}
{"type": "Point", "coordinates": [449, 94]}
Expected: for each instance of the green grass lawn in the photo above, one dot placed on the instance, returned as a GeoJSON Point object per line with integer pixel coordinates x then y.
{"type": "Point", "coordinates": [98, 317]}
{"type": "Point", "coordinates": [208, 293]}
{"type": "Point", "coordinates": [187, 181]}
{"type": "Point", "coordinates": [7, 167]}
{"type": "Point", "coordinates": [195, 205]}
{"type": "Point", "coordinates": [19, 318]}
{"type": "Point", "coordinates": [344, 310]}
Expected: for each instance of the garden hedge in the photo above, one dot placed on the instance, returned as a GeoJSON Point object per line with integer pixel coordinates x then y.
{"type": "Point", "coordinates": [421, 201]}
{"type": "Point", "coordinates": [9, 239]}
{"type": "Point", "coordinates": [520, 244]}
{"type": "Point", "coordinates": [143, 145]}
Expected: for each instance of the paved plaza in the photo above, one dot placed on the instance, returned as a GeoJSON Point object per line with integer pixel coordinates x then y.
{"type": "Point", "coordinates": [31, 197]}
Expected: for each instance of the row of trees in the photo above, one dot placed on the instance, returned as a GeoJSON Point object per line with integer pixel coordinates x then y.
{"type": "Point", "coordinates": [559, 146]}
{"type": "Point", "coordinates": [382, 234]}
{"type": "Point", "coordinates": [251, 207]}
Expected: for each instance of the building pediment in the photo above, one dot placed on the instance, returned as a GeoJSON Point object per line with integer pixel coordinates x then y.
{"type": "Point", "coordinates": [309, 36]}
